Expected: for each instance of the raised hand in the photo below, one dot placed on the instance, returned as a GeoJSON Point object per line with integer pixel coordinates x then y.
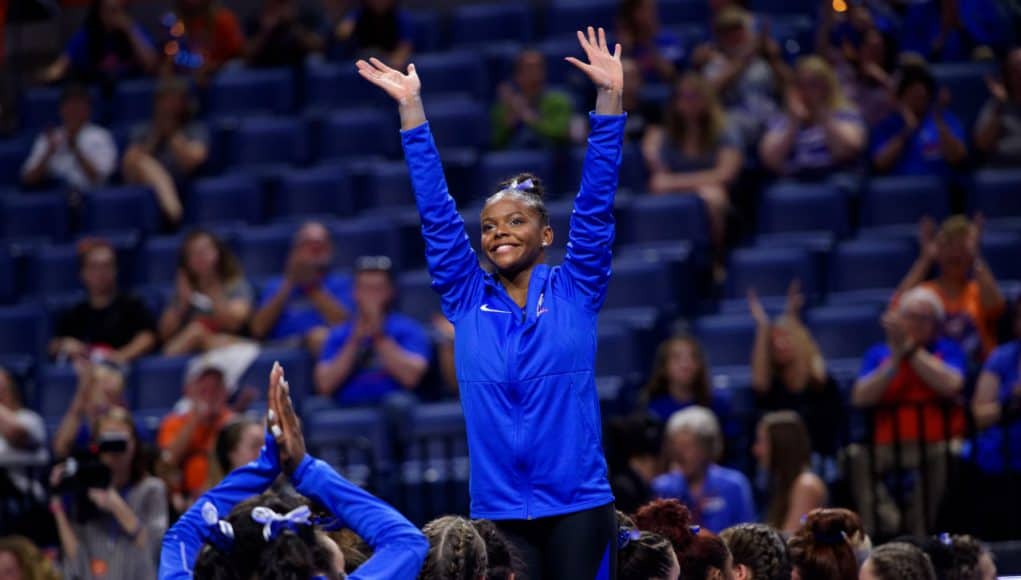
{"type": "Point", "coordinates": [756, 308]}
{"type": "Point", "coordinates": [283, 421]}
{"type": "Point", "coordinates": [402, 87]}
{"type": "Point", "coordinates": [603, 68]}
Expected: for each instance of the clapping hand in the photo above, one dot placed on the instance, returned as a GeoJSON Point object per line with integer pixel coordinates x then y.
{"type": "Point", "coordinates": [603, 68]}
{"type": "Point", "coordinates": [283, 421]}
{"type": "Point", "coordinates": [756, 308]}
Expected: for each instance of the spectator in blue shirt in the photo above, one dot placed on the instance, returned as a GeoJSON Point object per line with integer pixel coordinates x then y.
{"type": "Point", "coordinates": [378, 354]}
{"type": "Point", "coordinates": [301, 305]}
{"type": "Point", "coordinates": [108, 46]}
{"type": "Point", "coordinates": [923, 137]}
{"type": "Point", "coordinates": [997, 406]}
{"type": "Point", "coordinates": [718, 497]}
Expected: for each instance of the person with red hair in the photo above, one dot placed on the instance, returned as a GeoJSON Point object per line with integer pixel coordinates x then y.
{"type": "Point", "coordinates": [701, 554]}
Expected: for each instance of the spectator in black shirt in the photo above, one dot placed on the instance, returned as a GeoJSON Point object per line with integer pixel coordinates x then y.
{"type": "Point", "coordinates": [107, 323]}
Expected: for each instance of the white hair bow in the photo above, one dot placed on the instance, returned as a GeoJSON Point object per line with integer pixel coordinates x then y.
{"type": "Point", "coordinates": [274, 522]}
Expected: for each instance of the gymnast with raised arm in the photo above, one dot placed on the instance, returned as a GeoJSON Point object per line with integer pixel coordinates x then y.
{"type": "Point", "coordinates": [525, 335]}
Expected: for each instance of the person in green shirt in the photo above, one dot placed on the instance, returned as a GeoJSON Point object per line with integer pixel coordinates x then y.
{"type": "Point", "coordinates": [528, 114]}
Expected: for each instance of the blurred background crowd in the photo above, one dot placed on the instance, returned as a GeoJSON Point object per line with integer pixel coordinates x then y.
{"type": "Point", "coordinates": [815, 278]}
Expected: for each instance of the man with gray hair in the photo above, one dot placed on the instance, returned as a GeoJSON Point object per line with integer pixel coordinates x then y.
{"type": "Point", "coordinates": [717, 496]}
{"type": "Point", "coordinates": [911, 384]}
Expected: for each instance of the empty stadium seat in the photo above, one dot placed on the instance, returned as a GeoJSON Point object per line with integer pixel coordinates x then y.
{"type": "Point", "coordinates": [968, 89]}
{"type": "Point", "coordinates": [354, 441]}
{"type": "Point", "coordinates": [793, 207]}
{"type": "Point", "coordinates": [726, 339]}
{"type": "Point", "coordinates": [330, 85]}
{"type": "Point", "coordinates": [868, 269]}
{"type": "Point", "coordinates": [263, 251]}
{"type": "Point", "coordinates": [269, 141]}
{"type": "Point", "coordinates": [157, 263]}
{"type": "Point", "coordinates": [357, 133]}
{"type": "Point", "coordinates": [427, 31]}
{"type": "Point", "coordinates": [55, 391]}
{"type": "Point", "coordinates": [567, 16]}
{"type": "Point", "coordinates": [237, 92]}
{"type": "Point", "coordinates": [640, 283]}
{"type": "Point", "coordinates": [417, 297]}
{"type": "Point", "coordinates": [23, 330]}
{"type": "Point", "coordinates": [615, 355]}
{"type": "Point", "coordinates": [770, 272]}
{"type": "Point", "coordinates": [157, 382]}
{"type": "Point", "coordinates": [369, 236]}
{"type": "Point", "coordinates": [13, 154]}
{"type": "Point", "coordinates": [995, 192]}
{"type": "Point", "coordinates": [40, 108]}
{"type": "Point", "coordinates": [386, 184]}
{"type": "Point", "coordinates": [452, 73]}
{"type": "Point", "coordinates": [664, 218]}
{"type": "Point", "coordinates": [34, 216]}
{"type": "Point", "coordinates": [1001, 252]}
{"type": "Point", "coordinates": [324, 190]}
{"type": "Point", "coordinates": [845, 331]}
{"type": "Point", "coordinates": [297, 366]}
{"type": "Point", "coordinates": [132, 101]}
{"type": "Point", "coordinates": [903, 200]}
{"type": "Point", "coordinates": [674, 12]}
{"type": "Point", "coordinates": [500, 165]}
{"type": "Point", "coordinates": [226, 198]}
{"type": "Point", "coordinates": [783, 6]}
{"type": "Point", "coordinates": [121, 208]}
{"type": "Point", "coordinates": [483, 24]}
{"type": "Point", "coordinates": [458, 123]}
{"type": "Point", "coordinates": [434, 475]}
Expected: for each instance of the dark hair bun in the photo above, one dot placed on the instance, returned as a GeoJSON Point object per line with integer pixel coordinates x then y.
{"type": "Point", "coordinates": [526, 182]}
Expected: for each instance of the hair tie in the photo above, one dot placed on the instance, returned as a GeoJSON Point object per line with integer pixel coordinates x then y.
{"type": "Point", "coordinates": [695, 530]}
{"type": "Point", "coordinates": [625, 536]}
{"type": "Point", "coordinates": [526, 185]}
{"type": "Point", "coordinates": [275, 523]}
{"type": "Point", "coordinates": [222, 533]}
{"type": "Point", "coordinates": [945, 539]}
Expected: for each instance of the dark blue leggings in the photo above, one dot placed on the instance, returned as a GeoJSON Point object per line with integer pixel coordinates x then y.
{"type": "Point", "coordinates": [581, 545]}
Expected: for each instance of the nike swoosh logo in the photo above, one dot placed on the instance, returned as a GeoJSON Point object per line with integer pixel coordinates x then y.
{"type": "Point", "coordinates": [486, 308]}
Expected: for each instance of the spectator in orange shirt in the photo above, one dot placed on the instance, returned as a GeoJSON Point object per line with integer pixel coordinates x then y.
{"type": "Point", "coordinates": [912, 382]}
{"type": "Point", "coordinates": [211, 31]}
{"type": "Point", "coordinates": [187, 436]}
{"type": "Point", "coordinates": [966, 287]}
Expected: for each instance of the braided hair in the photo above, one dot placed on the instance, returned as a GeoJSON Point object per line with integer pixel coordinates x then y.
{"type": "Point", "coordinates": [698, 551]}
{"type": "Point", "coordinates": [456, 550]}
{"type": "Point", "coordinates": [901, 561]}
{"type": "Point", "coordinates": [760, 548]}
{"type": "Point", "coordinates": [503, 560]}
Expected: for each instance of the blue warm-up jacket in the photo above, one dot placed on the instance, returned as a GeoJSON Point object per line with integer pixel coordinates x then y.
{"type": "Point", "coordinates": [526, 375]}
{"type": "Point", "coordinates": [399, 548]}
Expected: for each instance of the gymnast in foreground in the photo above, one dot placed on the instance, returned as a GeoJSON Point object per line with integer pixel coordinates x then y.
{"type": "Point", "coordinates": [525, 334]}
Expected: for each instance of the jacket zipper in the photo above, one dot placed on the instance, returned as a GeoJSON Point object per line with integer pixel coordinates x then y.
{"type": "Point", "coordinates": [520, 317]}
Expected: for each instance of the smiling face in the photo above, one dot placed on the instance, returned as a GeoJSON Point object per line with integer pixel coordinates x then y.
{"type": "Point", "coordinates": [513, 233]}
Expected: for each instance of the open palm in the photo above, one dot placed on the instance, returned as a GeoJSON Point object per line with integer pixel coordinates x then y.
{"type": "Point", "coordinates": [398, 85]}
{"type": "Point", "coordinates": [603, 68]}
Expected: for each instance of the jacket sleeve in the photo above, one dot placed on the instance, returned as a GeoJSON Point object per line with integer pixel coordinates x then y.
{"type": "Point", "coordinates": [399, 548]}
{"type": "Point", "coordinates": [452, 263]}
{"type": "Point", "coordinates": [590, 240]}
{"type": "Point", "coordinates": [184, 540]}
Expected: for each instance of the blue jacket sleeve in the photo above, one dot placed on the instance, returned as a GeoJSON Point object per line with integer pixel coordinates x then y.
{"type": "Point", "coordinates": [589, 242]}
{"type": "Point", "coordinates": [453, 265]}
{"type": "Point", "coordinates": [184, 540]}
{"type": "Point", "coordinates": [399, 548]}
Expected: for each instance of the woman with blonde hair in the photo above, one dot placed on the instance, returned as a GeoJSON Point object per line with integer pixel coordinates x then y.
{"type": "Point", "coordinates": [820, 132]}
{"type": "Point", "coordinates": [789, 372]}
{"type": "Point", "coordinates": [21, 559]}
{"type": "Point", "coordinates": [696, 151]}
{"type": "Point", "coordinates": [784, 451]}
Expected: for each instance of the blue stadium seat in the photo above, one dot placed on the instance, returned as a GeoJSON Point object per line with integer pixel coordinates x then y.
{"type": "Point", "coordinates": [157, 262]}
{"type": "Point", "coordinates": [770, 271]}
{"type": "Point", "coordinates": [996, 193]}
{"type": "Point", "coordinates": [157, 382]}
{"type": "Point", "coordinates": [269, 141]}
{"type": "Point", "coordinates": [263, 250]}
{"type": "Point", "coordinates": [121, 208]}
{"type": "Point", "coordinates": [386, 184]}
{"type": "Point", "coordinates": [55, 391]}
{"type": "Point", "coordinates": [500, 165]}
{"type": "Point", "coordinates": [794, 207]}
{"type": "Point", "coordinates": [435, 472]}
{"type": "Point", "coordinates": [40, 108]}
{"type": "Point", "coordinates": [238, 92]}
{"type": "Point", "coordinates": [726, 339]}
{"type": "Point", "coordinates": [368, 236]}
{"type": "Point", "coordinates": [664, 218]}
{"type": "Point", "coordinates": [34, 216]}
{"type": "Point", "coordinates": [483, 24]}
{"type": "Point", "coordinates": [23, 330]}
{"type": "Point", "coordinates": [868, 269]}
{"type": "Point", "coordinates": [1000, 251]}
{"type": "Point", "coordinates": [226, 198]}
{"type": "Point", "coordinates": [845, 331]}
{"type": "Point", "coordinates": [640, 283]}
{"type": "Point", "coordinates": [416, 296]}
{"type": "Point", "coordinates": [132, 101]}
{"type": "Point", "coordinates": [968, 90]}
{"type": "Point", "coordinates": [316, 191]}
{"type": "Point", "coordinates": [353, 441]}
{"type": "Point", "coordinates": [783, 6]}
{"type": "Point", "coordinates": [567, 16]}
{"type": "Point", "coordinates": [452, 73]}
{"type": "Point", "coordinates": [458, 123]}
{"type": "Point", "coordinates": [357, 133]}
{"type": "Point", "coordinates": [13, 153]}
{"type": "Point", "coordinates": [9, 280]}
{"type": "Point", "coordinates": [616, 350]}
{"type": "Point", "coordinates": [903, 200]}
{"type": "Point", "coordinates": [297, 366]}
{"type": "Point", "coordinates": [54, 269]}
{"type": "Point", "coordinates": [674, 12]}
{"type": "Point", "coordinates": [426, 31]}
